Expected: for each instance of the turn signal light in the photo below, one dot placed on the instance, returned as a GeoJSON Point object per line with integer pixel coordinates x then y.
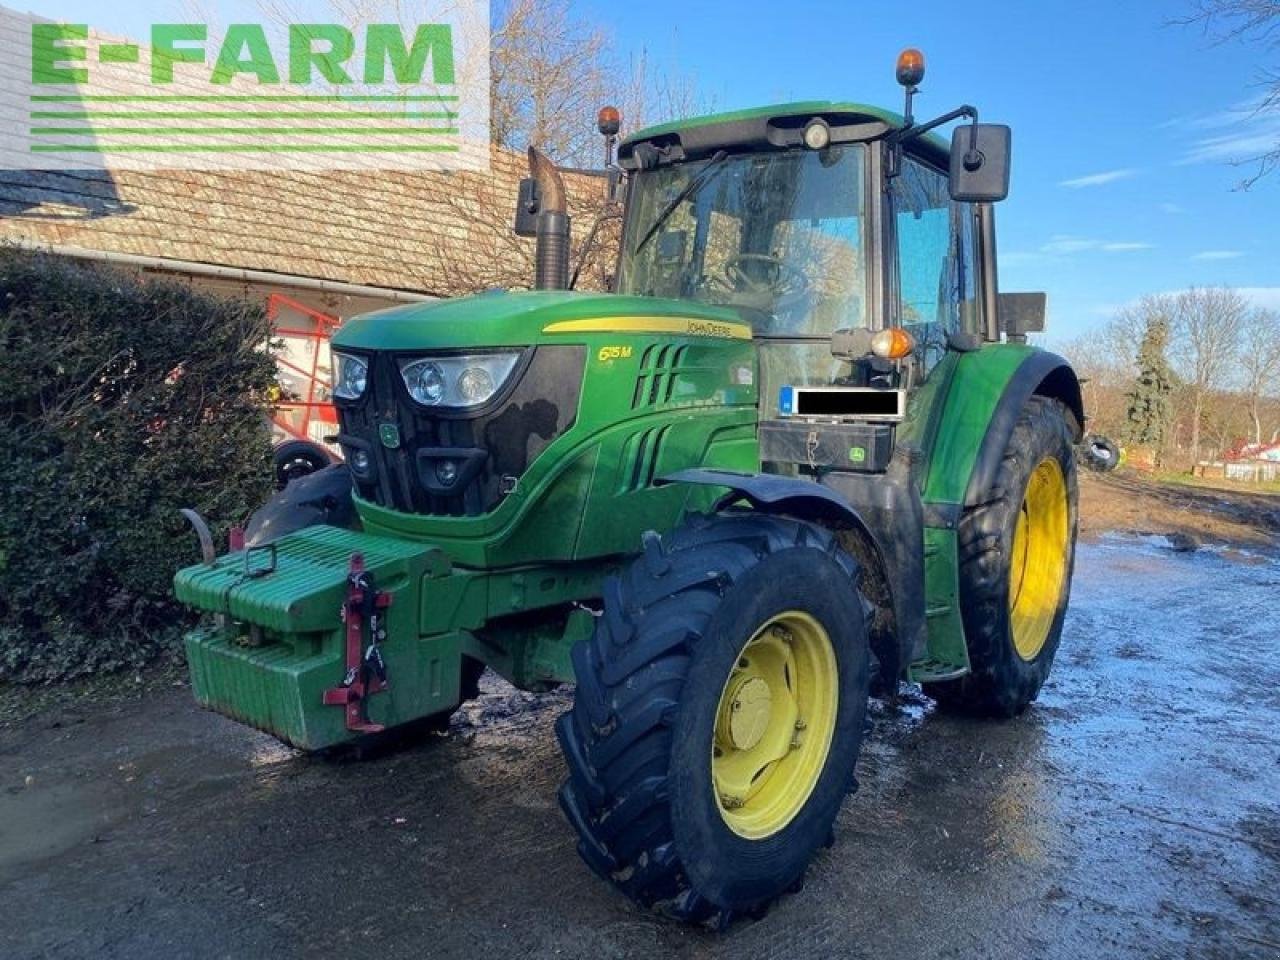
{"type": "Point", "coordinates": [910, 67]}
{"type": "Point", "coordinates": [892, 344]}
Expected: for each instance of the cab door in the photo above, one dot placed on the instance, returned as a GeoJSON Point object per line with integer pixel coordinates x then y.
{"type": "Point", "coordinates": [930, 287]}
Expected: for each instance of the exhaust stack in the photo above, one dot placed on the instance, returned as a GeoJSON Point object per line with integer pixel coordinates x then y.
{"type": "Point", "coordinates": [552, 231]}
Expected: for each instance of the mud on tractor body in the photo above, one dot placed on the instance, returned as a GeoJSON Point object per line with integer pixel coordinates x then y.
{"type": "Point", "coordinates": [802, 448]}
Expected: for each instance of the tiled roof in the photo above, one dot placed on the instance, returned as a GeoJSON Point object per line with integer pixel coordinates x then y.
{"type": "Point", "coordinates": [436, 233]}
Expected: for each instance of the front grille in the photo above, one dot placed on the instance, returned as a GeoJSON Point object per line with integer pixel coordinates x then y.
{"type": "Point", "coordinates": [491, 447]}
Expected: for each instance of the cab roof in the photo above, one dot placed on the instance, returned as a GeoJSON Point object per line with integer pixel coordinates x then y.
{"type": "Point", "coordinates": [774, 126]}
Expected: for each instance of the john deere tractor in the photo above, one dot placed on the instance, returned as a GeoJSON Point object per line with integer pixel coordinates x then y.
{"type": "Point", "coordinates": [801, 451]}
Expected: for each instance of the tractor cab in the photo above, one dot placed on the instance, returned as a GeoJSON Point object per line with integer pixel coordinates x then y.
{"type": "Point", "coordinates": [815, 221]}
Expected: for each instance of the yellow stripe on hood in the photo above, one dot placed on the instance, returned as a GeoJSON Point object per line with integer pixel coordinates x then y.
{"type": "Point", "coordinates": [677, 325]}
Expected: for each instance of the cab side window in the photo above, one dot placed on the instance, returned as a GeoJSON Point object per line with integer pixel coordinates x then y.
{"type": "Point", "coordinates": [935, 259]}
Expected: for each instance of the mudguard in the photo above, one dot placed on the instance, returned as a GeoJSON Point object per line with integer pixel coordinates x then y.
{"type": "Point", "coordinates": [986, 394]}
{"type": "Point", "coordinates": [1043, 374]}
{"type": "Point", "coordinates": [885, 509]}
{"type": "Point", "coordinates": [771, 493]}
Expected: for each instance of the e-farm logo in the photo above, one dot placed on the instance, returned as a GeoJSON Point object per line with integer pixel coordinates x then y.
{"type": "Point", "coordinates": [250, 95]}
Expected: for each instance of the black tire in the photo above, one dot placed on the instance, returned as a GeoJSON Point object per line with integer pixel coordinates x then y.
{"type": "Point", "coordinates": [1003, 682]}
{"type": "Point", "coordinates": [638, 740]}
{"type": "Point", "coordinates": [295, 459]}
{"type": "Point", "coordinates": [1100, 453]}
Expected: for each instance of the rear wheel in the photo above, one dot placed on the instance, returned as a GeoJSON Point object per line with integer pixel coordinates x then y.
{"type": "Point", "coordinates": [719, 714]}
{"type": "Point", "coordinates": [1017, 551]}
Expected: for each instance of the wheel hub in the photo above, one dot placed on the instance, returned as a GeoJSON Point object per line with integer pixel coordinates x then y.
{"type": "Point", "coordinates": [774, 724]}
{"type": "Point", "coordinates": [1038, 559]}
{"type": "Point", "coordinates": [750, 710]}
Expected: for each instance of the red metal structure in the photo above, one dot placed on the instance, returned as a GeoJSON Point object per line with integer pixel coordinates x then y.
{"type": "Point", "coordinates": [304, 414]}
{"type": "Point", "coordinates": [303, 410]}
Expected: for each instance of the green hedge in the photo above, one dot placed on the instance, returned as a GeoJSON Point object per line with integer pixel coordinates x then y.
{"type": "Point", "coordinates": [121, 400]}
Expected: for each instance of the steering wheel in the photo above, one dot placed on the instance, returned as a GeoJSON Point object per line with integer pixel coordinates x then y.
{"type": "Point", "coordinates": [774, 283]}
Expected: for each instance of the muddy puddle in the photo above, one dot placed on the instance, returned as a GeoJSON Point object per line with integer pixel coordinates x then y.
{"type": "Point", "coordinates": [1134, 811]}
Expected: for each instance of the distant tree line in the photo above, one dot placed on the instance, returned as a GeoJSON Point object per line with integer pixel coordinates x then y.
{"type": "Point", "coordinates": [1186, 376]}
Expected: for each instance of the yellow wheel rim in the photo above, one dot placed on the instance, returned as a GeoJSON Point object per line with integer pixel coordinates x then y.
{"type": "Point", "coordinates": [1038, 561]}
{"type": "Point", "coordinates": [774, 725]}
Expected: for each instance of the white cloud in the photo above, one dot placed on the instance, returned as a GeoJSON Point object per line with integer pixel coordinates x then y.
{"type": "Point", "coordinates": [1098, 179]}
{"type": "Point", "coordinates": [1013, 257]}
{"type": "Point", "coordinates": [1252, 128]}
{"type": "Point", "coordinates": [1124, 247]}
{"type": "Point", "coordinates": [1171, 208]}
{"type": "Point", "coordinates": [1218, 255]}
{"type": "Point", "coordinates": [1064, 245]}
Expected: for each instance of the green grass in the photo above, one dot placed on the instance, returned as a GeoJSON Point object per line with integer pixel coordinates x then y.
{"type": "Point", "coordinates": [1216, 483]}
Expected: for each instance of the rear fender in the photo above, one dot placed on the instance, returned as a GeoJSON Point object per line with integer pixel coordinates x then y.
{"type": "Point", "coordinates": [1042, 374]}
{"type": "Point", "coordinates": [987, 393]}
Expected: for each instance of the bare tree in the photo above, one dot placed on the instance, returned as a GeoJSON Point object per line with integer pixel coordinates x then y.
{"type": "Point", "coordinates": [1260, 363]}
{"type": "Point", "coordinates": [1104, 358]}
{"type": "Point", "coordinates": [655, 93]}
{"type": "Point", "coordinates": [549, 73]}
{"type": "Point", "coordinates": [1252, 21]}
{"type": "Point", "coordinates": [551, 70]}
{"type": "Point", "coordinates": [1205, 346]}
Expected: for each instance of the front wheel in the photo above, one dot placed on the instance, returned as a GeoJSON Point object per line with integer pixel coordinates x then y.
{"type": "Point", "coordinates": [719, 714]}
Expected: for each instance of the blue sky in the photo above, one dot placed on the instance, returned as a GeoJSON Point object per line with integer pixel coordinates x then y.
{"type": "Point", "coordinates": [1123, 125]}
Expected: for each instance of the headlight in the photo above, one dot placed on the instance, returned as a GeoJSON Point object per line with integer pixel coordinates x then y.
{"type": "Point", "coordinates": [467, 380]}
{"type": "Point", "coordinates": [352, 376]}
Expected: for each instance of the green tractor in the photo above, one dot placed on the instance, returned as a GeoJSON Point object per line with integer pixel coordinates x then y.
{"type": "Point", "coordinates": [801, 451]}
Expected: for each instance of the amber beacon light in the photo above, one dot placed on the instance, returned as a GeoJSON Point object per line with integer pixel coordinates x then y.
{"type": "Point", "coordinates": [910, 67]}
{"type": "Point", "coordinates": [609, 121]}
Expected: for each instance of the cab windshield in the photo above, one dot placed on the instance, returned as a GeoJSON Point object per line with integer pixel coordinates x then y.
{"type": "Point", "coordinates": [778, 235]}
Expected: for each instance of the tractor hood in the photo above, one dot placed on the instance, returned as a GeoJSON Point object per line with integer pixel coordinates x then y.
{"type": "Point", "coordinates": [502, 319]}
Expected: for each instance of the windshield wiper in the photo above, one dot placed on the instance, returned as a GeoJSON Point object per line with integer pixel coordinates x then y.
{"type": "Point", "coordinates": [698, 180]}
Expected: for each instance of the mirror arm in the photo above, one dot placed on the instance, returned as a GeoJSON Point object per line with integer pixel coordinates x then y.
{"type": "Point", "coordinates": [912, 130]}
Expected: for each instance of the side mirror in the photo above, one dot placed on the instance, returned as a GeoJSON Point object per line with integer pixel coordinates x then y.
{"type": "Point", "coordinates": [528, 203]}
{"type": "Point", "coordinates": [980, 163]}
{"type": "Point", "coordinates": [1021, 313]}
